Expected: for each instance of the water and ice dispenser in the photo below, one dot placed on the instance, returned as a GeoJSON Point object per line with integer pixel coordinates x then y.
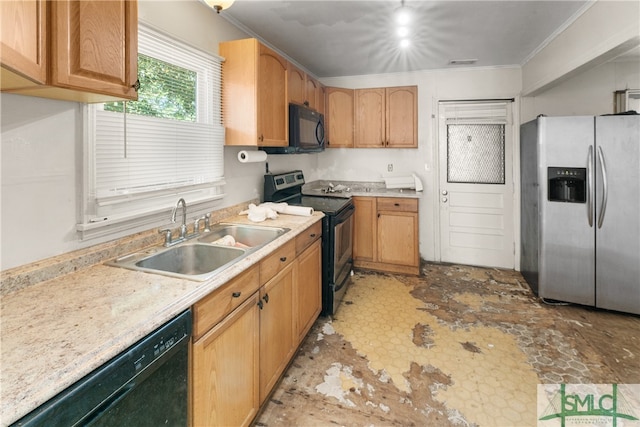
{"type": "Point", "coordinates": [567, 185]}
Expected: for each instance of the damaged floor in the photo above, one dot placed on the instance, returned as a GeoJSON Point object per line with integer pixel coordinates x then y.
{"type": "Point", "coordinates": [458, 346]}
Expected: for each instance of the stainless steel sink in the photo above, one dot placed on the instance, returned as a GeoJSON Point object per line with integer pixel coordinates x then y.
{"type": "Point", "coordinates": [205, 258]}
{"type": "Point", "coordinates": [245, 236]}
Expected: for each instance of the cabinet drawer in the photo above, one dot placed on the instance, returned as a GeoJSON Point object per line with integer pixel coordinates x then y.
{"type": "Point", "coordinates": [215, 306]}
{"type": "Point", "coordinates": [308, 236]}
{"type": "Point", "coordinates": [278, 260]}
{"type": "Point", "coordinates": [397, 204]}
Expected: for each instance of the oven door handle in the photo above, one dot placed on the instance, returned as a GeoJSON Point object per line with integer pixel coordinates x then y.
{"type": "Point", "coordinates": [344, 215]}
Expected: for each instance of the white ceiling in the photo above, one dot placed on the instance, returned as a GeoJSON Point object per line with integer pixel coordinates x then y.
{"type": "Point", "coordinates": [345, 38]}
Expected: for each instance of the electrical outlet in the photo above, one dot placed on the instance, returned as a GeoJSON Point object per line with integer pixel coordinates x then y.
{"type": "Point", "coordinates": [390, 167]}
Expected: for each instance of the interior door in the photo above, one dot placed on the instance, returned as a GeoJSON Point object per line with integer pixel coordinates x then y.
{"type": "Point", "coordinates": [476, 183]}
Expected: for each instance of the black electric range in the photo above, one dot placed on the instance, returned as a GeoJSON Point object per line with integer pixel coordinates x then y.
{"type": "Point", "coordinates": [337, 231]}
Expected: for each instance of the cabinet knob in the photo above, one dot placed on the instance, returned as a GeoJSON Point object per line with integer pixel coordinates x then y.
{"type": "Point", "coordinates": [136, 85]}
{"type": "Point", "coordinates": [236, 294]}
{"type": "Point", "coordinates": [396, 204]}
{"type": "Point", "coordinates": [283, 259]}
{"type": "Point", "coordinates": [445, 192]}
{"type": "Point", "coordinates": [444, 200]}
{"type": "Point", "coordinates": [266, 298]}
{"type": "Point", "coordinates": [261, 138]}
{"type": "Point", "coordinates": [312, 235]}
{"type": "Point", "coordinates": [260, 304]}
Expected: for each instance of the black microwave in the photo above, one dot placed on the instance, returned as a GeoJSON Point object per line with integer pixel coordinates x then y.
{"type": "Point", "coordinates": [306, 132]}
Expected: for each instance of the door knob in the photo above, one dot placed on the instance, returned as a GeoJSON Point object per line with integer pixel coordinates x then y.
{"type": "Point", "coordinates": [444, 200]}
{"type": "Point", "coordinates": [444, 192]}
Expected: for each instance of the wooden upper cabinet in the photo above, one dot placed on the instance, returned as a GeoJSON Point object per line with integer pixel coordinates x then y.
{"type": "Point", "coordinates": [273, 108]}
{"type": "Point", "coordinates": [297, 85]}
{"type": "Point", "coordinates": [23, 26]}
{"type": "Point", "coordinates": [402, 117]}
{"type": "Point", "coordinates": [74, 50]}
{"type": "Point", "coordinates": [387, 117]}
{"type": "Point", "coordinates": [370, 118]}
{"type": "Point", "coordinates": [254, 95]}
{"type": "Point", "coordinates": [88, 49]}
{"type": "Point", "coordinates": [339, 118]}
{"type": "Point", "coordinates": [321, 99]}
{"type": "Point", "coordinates": [305, 90]}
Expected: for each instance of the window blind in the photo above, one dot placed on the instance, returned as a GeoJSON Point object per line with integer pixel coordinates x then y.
{"type": "Point", "coordinates": [140, 164]}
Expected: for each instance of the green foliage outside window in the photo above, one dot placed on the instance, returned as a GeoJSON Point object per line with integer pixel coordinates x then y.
{"type": "Point", "coordinates": [166, 91]}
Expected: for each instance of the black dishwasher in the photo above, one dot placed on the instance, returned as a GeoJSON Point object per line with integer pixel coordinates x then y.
{"type": "Point", "coordinates": [146, 385]}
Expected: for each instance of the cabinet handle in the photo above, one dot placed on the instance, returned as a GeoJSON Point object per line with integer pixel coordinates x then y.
{"type": "Point", "coordinates": [236, 294]}
{"type": "Point", "coordinates": [283, 259]}
{"type": "Point", "coordinates": [260, 304]}
{"type": "Point", "coordinates": [136, 85]}
{"type": "Point", "coordinates": [266, 298]}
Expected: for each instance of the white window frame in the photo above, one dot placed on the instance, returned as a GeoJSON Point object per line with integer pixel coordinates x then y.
{"type": "Point", "coordinates": [117, 213]}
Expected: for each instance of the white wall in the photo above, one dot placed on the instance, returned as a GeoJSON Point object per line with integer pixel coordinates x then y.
{"type": "Point", "coordinates": [588, 93]}
{"type": "Point", "coordinates": [433, 86]}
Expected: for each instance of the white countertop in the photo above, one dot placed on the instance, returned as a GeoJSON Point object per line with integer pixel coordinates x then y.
{"type": "Point", "coordinates": [56, 331]}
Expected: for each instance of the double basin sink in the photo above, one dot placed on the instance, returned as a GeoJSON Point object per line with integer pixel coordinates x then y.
{"type": "Point", "coordinates": [203, 256]}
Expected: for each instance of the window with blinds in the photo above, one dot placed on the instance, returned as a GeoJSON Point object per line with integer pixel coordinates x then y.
{"type": "Point", "coordinates": [143, 155]}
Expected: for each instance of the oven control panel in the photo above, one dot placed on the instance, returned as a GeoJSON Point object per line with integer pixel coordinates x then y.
{"type": "Point", "coordinates": [285, 180]}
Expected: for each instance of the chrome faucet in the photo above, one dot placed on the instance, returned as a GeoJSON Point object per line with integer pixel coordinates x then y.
{"type": "Point", "coordinates": [183, 227]}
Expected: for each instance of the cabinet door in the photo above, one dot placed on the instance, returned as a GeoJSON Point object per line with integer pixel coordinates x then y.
{"type": "Point", "coordinates": [402, 117]}
{"type": "Point", "coordinates": [308, 301]}
{"type": "Point", "coordinates": [225, 370]}
{"type": "Point", "coordinates": [370, 118]}
{"type": "Point", "coordinates": [364, 229]}
{"type": "Point", "coordinates": [339, 118]}
{"type": "Point", "coordinates": [312, 90]}
{"type": "Point", "coordinates": [272, 105]}
{"type": "Point", "coordinates": [23, 26]}
{"type": "Point", "coordinates": [94, 46]}
{"type": "Point", "coordinates": [321, 99]}
{"type": "Point", "coordinates": [297, 85]}
{"type": "Point", "coordinates": [398, 238]}
{"type": "Point", "coordinates": [276, 328]}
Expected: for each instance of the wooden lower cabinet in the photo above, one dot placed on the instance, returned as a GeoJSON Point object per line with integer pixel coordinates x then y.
{"type": "Point", "coordinates": [386, 234]}
{"type": "Point", "coordinates": [308, 293]}
{"type": "Point", "coordinates": [247, 331]}
{"type": "Point", "coordinates": [225, 368]}
{"type": "Point", "coordinates": [277, 342]}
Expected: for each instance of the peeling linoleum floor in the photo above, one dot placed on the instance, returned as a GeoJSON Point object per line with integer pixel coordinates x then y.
{"type": "Point", "coordinates": [458, 346]}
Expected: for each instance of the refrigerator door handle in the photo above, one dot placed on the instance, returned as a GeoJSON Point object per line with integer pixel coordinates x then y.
{"type": "Point", "coordinates": [605, 188]}
{"type": "Point", "coordinates": [590, 186]}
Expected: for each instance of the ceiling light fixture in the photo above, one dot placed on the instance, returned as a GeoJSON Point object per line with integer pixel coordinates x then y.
{"type": "Point", "coordinates": [219, 5]}
{"type": "Point", "coordinates": [403, 17]}
{"type": "Point", "coordinates": [403, 14]}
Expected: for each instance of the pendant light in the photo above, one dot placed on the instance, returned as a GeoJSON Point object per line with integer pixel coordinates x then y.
{"type": "Point", "coordinates": [219, 5]}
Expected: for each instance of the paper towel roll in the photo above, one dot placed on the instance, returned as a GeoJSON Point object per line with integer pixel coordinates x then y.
{"type": "Point", "coordinates": [297, 210]}
{"type": "Point", "coordinates": [252, 156]}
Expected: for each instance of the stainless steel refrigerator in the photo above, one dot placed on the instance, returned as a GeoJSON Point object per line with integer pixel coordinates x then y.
{"type": "Point", "coordinates": [580, 204]}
